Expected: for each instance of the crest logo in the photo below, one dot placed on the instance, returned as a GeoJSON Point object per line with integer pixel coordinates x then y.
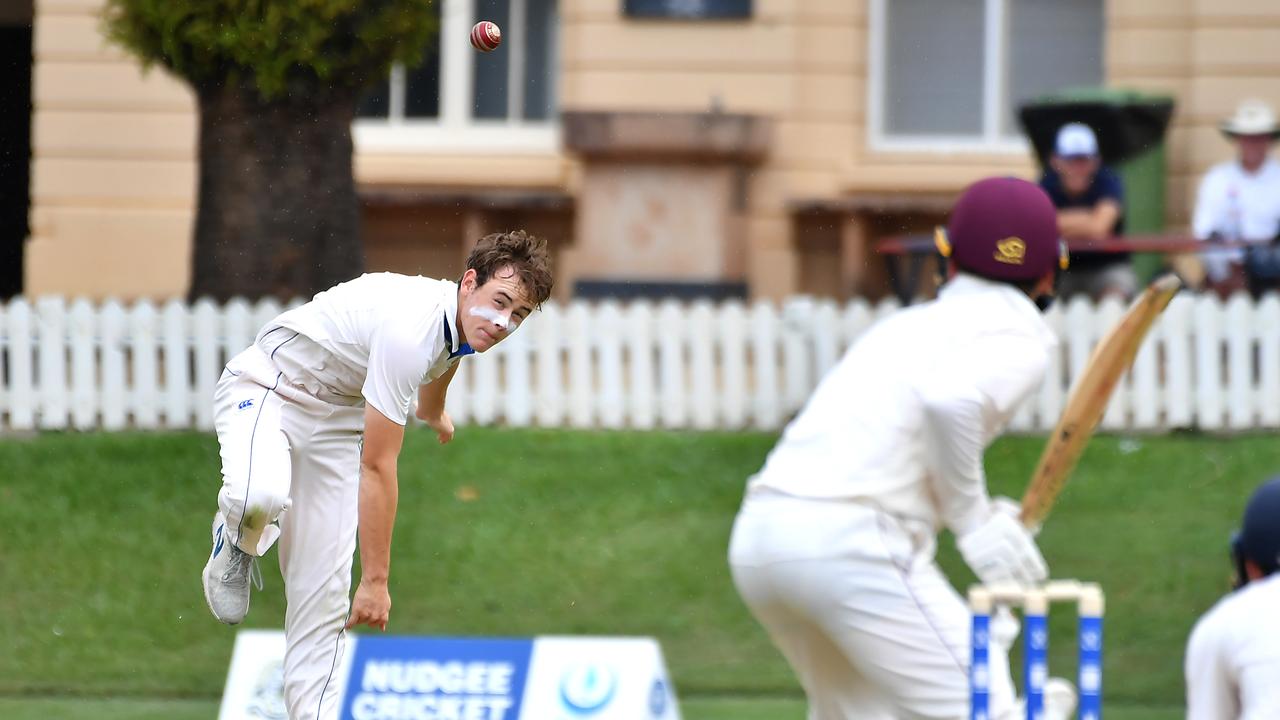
{"type": "Point", "coordinates": [587, 689]}
{"type": "Point", "coordinates": [1011, 251]}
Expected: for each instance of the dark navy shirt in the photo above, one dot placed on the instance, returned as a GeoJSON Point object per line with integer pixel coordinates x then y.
{"type": "Point", "coordinates": [1106, 185]}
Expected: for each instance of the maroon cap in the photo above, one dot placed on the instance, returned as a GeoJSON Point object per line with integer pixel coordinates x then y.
{"type": "Point", "coordinates": [1004, 228]}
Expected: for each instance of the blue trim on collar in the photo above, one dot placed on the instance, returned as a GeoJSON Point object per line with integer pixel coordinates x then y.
{"type": "Point", "coordinates": [464, 349]}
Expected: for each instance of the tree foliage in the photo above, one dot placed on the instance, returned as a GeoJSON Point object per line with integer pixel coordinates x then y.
{"type": "Point", "coordinates": [279, 46]}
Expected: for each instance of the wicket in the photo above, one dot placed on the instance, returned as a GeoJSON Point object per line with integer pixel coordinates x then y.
{"type": "Point", "coordinates": [1035, 602]}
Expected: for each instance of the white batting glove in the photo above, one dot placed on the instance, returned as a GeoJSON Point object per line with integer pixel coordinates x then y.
{"type": "Point", "coordinates": [1013, 509]}
{"type": "Point", "coordinates": [1002, 550]}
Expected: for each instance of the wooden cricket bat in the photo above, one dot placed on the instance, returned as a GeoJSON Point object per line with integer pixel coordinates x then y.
{"type": "Point", "coordinates": [1088, 400]}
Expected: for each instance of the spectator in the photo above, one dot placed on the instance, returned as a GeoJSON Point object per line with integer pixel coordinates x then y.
{"type": "Point", "coordinates": [1090, 201]}
{"type": "Point", "coordinates": [1239, 200]}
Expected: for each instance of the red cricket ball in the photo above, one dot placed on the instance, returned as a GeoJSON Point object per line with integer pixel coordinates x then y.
{"type": "Point", "coordinates": [485, 36]}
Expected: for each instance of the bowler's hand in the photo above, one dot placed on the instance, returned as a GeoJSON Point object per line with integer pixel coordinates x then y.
{"type": "Point", "coordinates": [443, 426]}
{"type": "Point", "coordinates": [371, 606]}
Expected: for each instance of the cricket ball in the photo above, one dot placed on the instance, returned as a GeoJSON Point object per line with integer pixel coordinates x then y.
{"type": "Point", "coordinates": [485, 36]}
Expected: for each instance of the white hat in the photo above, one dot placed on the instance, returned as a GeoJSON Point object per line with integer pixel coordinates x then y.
{"type": "Point", "coordinates": [1253, 117]}
{"type": "Point", "coordinates": [1076, 140]}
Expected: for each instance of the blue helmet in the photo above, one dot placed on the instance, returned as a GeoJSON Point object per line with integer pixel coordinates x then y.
{"type": "Point", "coordinates": [1258, 538]}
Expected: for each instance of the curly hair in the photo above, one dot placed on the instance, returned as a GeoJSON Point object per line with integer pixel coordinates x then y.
{"type": "Point", "coordinates": [526, 254]}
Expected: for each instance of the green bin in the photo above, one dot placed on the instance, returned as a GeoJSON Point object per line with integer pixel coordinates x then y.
{"type": "Point", "coordinates": [1131, 127]}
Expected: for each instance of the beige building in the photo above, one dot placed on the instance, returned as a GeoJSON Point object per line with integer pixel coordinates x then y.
{"type": "Point", "coordinates": [759, 154]}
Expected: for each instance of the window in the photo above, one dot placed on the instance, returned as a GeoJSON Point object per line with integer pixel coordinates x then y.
{"type": "Point", "coordinates": [950, 74]}
{"type": "Point", "coordinates": [466, 100]}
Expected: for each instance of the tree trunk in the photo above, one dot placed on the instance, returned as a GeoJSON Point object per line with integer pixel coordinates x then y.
{"type": "Point", "coordinates": [278, 213]}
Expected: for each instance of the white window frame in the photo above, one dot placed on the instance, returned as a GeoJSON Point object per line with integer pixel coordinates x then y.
{"type": "Point", "coordinates": [994, 83]}
{"type": "Point", "coordinates": [455, 131]}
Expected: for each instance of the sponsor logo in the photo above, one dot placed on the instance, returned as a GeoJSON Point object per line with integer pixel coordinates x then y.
{"type": "Point", "coordinates": [436, 678]}
{"type": "Point", "coordinates": [1040, 638]}
{"type": "Point", "coordinates": [217, 548]}
{"type": "Point", "coordinates": [586, 689]}
{"type": "Point", "coordinates": [245, 404]}
{"type": "Point", "coordinates": [658, 698]}
{"type": "Point", "coordinates": [267, 701]}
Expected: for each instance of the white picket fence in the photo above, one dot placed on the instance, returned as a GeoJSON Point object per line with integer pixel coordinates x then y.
{"type": "Point", "coordinates": [1206, 364]}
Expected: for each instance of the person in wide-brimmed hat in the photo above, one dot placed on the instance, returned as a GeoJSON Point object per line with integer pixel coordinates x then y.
{"type": "Point", "coordinates": [1239, 200]}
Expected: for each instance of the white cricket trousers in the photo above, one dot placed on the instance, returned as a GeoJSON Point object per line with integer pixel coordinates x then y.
{"type": "Point", "coordinates": [291, 459]}
{"type": "Point", "coordinates": [857, 605]}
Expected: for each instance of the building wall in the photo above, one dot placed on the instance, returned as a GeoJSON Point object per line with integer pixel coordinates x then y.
{"type": "Point", "coordinates": [113, 169]}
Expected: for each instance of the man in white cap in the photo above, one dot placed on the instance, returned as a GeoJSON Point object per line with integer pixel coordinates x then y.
{"type": "Point", "coordinates": [1239, 200]}
{"type": "Point", "coordinates": [1090, 201]}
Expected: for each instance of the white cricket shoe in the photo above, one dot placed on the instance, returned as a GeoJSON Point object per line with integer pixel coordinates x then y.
{"type": "Point", "coordinates": [227, 576]}
{"type": "Point", "coordinates": [1059, 699]}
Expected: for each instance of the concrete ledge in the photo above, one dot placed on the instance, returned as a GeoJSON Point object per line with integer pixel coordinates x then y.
{"type": "Point", "coordinates": [715, 290]}
{"type": "Point", "coordinates": [876, 204]}
{"type": "Point", "coordinates": [386, 196]}
{"type": "Point", "coordinates": [676, 136]}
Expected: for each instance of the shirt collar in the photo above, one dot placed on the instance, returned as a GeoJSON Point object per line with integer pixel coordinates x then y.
{"type": "Point", "coordinates": [964, 284]}
{"type": "Point", "coordinates": [451, 335]}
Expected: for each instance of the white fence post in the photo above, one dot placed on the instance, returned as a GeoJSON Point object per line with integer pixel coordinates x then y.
{"type": "Point", "coordinates": [1108, 313]}
{"type": "Point", "coordinates": [1175, 331]}
{"type": "Point", "coordinates": [146, 381]}
{"type": "Point", "coordinates": [4, 363]}
{"type": "Point", "coordinates": [548, 351]}
{"type": "Point", "coordinates": [1145, 401]}
{"type": "Point", "coordinates": [1241, 394]}
{"type": "Point", "coordinates": [1267, 323]}
{"type": "Point", "coordinates": [1208, 365]}
{"type": "Point", "coordinates": [236, 330]}
{"type": "Point", "coordinates": [22, 398]}
{"type": "Point", "coordinates": [581, 378]}
{"type": "Point", "coordinates": [51, 320]}
{"type": "Point", "coordinates": [641, 390]}
{"type": "Point", "coordinates": [825, 336]}
{"type": "Point", "coordinates": [82, 328]}
{"type": "Point", "coordinates": [177, 365]}
{"type": "Point", "coordinates": [673, 410]}
{"type": "Point", "coordinates": [766, 406]}
{"type": "Point", "coordinates": [797, 382]}
{"type": "Point", "coordinates": [732, 332]}
{"type": "Point", "coordinates": [607, 329]}
{"type": "Point", "coordinates": [114, 412]}
{"type": "Point", "coordinates": [208, 357]}
{"type": "Point", "coordinates": [703, 392]}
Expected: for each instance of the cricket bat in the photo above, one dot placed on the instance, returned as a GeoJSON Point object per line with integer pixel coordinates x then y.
{"type": "Point", "coordinates": [1088, 400]}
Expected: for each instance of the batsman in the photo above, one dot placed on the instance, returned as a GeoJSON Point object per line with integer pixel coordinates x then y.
{"type": "Point", "coordinates": [833, 548]}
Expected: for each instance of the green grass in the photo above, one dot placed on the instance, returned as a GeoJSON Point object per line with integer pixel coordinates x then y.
{"type": "Point", "coordinates": [102, 538]}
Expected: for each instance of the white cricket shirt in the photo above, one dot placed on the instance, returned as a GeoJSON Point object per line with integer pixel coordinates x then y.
{"type": "Point", "coordinates": [901, 422]}
{"type": "Point", "coordinates": [1233, 657]}
{"type": "Point", "coordinates": [374, 339]}
{"type": "Point", "coordinates": [1238, 206]}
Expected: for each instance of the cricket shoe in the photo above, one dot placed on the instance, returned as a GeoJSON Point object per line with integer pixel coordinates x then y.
{"type": "Point", "coordinates": [227, 576]}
